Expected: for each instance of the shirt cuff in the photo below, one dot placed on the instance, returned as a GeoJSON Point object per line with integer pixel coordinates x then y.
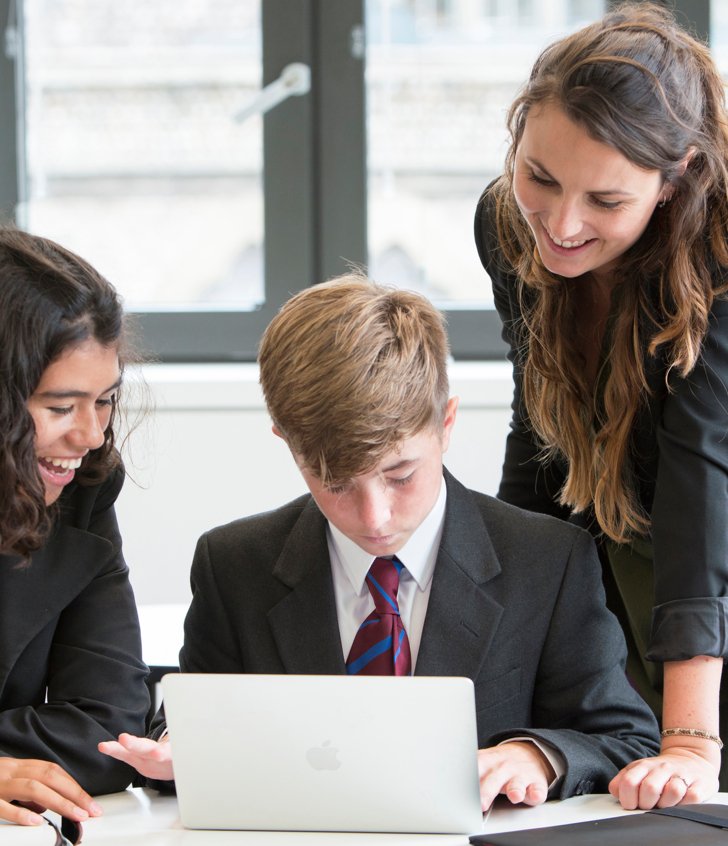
{"type": "Point", "coordinates": [157, 734]}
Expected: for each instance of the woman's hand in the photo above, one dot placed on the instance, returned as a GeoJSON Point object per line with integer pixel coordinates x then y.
{"type": "Point", "coordinates": [37, 786]}
{"type": "Point", "coordinates": [150, 758]}
{"type": "Point", "coordinates": [679, 774]}
{"type": "Point", "coordinates": [686, 770]}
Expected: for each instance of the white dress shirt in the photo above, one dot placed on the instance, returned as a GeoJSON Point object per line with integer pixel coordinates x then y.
{"type": "Point", "coordinates": [350, 565]}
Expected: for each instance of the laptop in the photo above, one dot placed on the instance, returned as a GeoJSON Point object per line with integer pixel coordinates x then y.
{"type": "Point", "coordinates": [324, 753]}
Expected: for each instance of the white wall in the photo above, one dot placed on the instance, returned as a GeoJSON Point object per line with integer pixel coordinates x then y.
{"type": "Point", "coordinates": [206, 455]}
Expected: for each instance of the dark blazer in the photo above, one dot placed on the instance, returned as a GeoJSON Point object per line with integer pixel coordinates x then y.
{"type": "Point", "coordinates": [516, 605]}
{"type": "Point", "coordinates": [71, 672]}
{"type": "Point", "coordinates": [680, 456]}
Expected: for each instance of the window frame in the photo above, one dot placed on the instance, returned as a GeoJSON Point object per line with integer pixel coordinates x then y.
{"type": "Point", "coordinates": [314, 178]}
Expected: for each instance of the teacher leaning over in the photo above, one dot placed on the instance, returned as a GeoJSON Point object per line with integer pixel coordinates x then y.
{"type": "Point", "coordinates": [606, 240]}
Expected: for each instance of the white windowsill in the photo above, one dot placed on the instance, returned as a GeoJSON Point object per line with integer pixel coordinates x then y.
{"type": "Point", "coordinates": [479, 384]}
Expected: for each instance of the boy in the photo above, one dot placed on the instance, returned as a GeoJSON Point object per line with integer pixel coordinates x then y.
{"type": "Point", "coordinates": [391, 566]}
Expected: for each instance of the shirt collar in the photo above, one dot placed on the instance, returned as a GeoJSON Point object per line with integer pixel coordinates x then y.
{"type": "Point", "coordinates": [418, 555]}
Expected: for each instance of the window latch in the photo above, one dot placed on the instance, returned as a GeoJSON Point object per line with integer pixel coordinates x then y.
{"type": "Point", "coordinates": [295, 80]}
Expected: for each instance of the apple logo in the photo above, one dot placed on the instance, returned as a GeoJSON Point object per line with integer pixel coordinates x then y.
{"type": "Point", "coordinates": [323, 757]}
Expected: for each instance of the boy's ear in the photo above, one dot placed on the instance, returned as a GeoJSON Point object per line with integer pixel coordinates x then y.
{"type": "Point", "coordinates": [276, 431]}
{"type": "Point", "coordinates": [451, 410]}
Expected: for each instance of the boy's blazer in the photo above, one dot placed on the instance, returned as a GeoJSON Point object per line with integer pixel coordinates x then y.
{"type": "Point", "coordinates": [516, 605]}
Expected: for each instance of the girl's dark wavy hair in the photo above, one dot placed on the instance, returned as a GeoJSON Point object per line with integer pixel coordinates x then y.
{"type": "Point", "coordinates": [50, 301]}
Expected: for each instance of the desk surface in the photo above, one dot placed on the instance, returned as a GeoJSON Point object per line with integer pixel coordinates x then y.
{"type": "Point", "coordinates": [144, 816]}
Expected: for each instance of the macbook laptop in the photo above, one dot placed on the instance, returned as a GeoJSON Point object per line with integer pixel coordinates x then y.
{"type": "Point", "coordinates": [324, 753]}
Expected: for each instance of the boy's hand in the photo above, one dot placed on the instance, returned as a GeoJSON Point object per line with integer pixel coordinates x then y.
{"type": "Point", "coordinates": [150, 758]}
{"type": "Point", "coordinates": [39, 785]}
{"type": "Point", "coordinates": [518, 770]}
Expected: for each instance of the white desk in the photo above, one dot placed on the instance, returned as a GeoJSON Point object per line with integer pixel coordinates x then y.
{"type": "Point", "coordinates": [145, 817]}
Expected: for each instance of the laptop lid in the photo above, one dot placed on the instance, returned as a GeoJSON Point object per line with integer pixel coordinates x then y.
{"type": "Point", "coordinates": [324, 753]}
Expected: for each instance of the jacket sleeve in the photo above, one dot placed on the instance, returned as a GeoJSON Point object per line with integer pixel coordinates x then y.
{"type": "Point", "coordinates": [583, 705]}
{"type": "Point", "coordinates": [690, 506]}
{"type": "Point", "coordinates": [210, 644]}
{"type": "Point", "coordinates": [526, 481]}
{"type": "Point", "coordinates": [95, 680]}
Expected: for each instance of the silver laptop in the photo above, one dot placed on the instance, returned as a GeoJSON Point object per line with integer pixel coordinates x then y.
{"type": "Point", "coordinates": [324, 753]}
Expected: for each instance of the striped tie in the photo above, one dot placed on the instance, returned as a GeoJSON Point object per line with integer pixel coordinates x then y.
{"type": "Point", "coordinates": [381, 646]}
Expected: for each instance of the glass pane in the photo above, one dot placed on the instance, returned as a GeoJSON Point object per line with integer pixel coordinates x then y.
{"type": "Point", "coordinates": [440, 77]}
{"type": "Point", "coordinates": [719, 34]}
{"type": "Point", "coordinates": [134, 156]}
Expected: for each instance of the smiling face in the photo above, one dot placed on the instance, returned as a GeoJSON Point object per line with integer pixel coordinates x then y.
{"type": "Point", "coordinates": [71, 409]}
{"type": "Point", "coordinates": [380, 510]}
{"type": "Point", "coordinates": [585, 202]}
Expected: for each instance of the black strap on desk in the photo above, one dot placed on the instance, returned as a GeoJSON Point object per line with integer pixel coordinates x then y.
{"type": "Point", "coordinates": [715, 815]}
{"type": "Point", "coordinates": [706, 825]}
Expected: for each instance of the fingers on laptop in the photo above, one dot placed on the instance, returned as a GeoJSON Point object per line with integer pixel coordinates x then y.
{"type": "Point", "coordinates": [34, 786]}
{"type": "Point", "coordinates": [150, 758]}
{"type": "Point", "coordinates": [516, 770]}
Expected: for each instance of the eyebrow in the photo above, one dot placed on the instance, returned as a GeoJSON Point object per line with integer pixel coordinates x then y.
{"type": "Point", "coordinates": [608, 192]}
{"type": "Point", "coordinates": [399, 465]}
{"type": "Point", "coordinates": [72, 394]}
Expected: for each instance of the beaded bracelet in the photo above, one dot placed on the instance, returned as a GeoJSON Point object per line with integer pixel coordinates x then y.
{"type": "Point", "coordinates": [705, 735]}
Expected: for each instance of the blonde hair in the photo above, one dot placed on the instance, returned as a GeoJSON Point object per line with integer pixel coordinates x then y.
{"type": "Point", "coordinates": [349, 369]}
{"type": "Point", "coordinates": [639, 83]}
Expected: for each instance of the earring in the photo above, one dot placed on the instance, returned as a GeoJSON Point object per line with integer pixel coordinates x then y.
{"type": "Point", "coordinates": [662, 203]}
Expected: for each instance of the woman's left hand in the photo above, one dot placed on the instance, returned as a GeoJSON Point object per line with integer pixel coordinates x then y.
{"type": "Point", "coordinates": [676, 776]}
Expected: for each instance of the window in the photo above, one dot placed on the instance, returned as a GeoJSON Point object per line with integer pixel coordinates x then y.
{"type": "Point", "coordinates": [439, 83]}
{"type": "Point", "coordinates": [719, 33]}
{"type": "Point", "coordinates": [126, 148]}
{"type": "Point", "coordinates": [133, 155]}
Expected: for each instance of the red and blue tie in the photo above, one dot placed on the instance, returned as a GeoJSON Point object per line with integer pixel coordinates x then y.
{"type": "Point", "coordinates": [381, 646]}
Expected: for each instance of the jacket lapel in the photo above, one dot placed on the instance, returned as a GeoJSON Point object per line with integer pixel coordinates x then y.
{"type": "Point", "coordinates": [304, 623]}
{"type": "Point", "coordinates": [461, 616]}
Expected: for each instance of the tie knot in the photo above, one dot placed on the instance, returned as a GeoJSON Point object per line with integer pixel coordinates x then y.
{"type": "Point", "coordinates": [383, 583]}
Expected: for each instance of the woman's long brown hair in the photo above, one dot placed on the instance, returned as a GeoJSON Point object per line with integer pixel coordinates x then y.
{"type": "Point", "coordinates": [639, 83]}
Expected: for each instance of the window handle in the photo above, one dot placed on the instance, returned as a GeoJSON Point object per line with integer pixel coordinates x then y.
{"type": "Point", "coordinates": [295, 80]}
